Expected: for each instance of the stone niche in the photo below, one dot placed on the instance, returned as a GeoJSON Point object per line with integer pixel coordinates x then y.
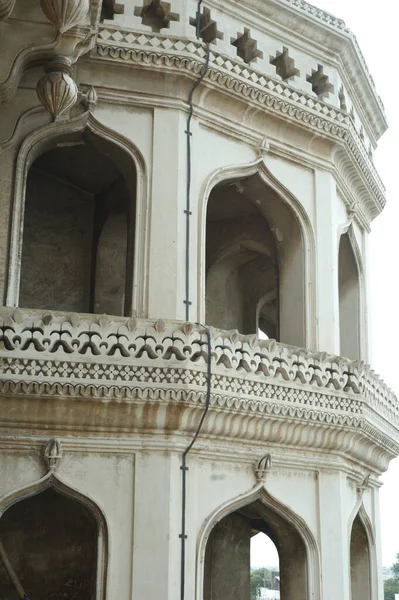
{"type": "Point", "coordinates": [79, 223]}
{"type": "Point", "coordinates": [51, 542]}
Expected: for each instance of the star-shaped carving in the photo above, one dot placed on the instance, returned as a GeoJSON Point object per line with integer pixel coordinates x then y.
{"type": "Point", "coordinates": [285, 65]}
{"type": "Point", "coordinates": [320, 83]}
{"type": "Point", "coordinates": [156, 14]}
{"type": "Point", "coordinates": [208, 30]}
{"type": "Point", "coordinates": [247, 48]}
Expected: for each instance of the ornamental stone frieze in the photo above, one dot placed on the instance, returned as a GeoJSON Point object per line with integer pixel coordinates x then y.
{"type": "Point", "coordinates": [248, 84]}
{"type": "Point", "coordinates": [274, 392]}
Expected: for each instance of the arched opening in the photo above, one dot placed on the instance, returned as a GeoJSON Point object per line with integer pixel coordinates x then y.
{"type": "Point", "coordinates": [349, 300]}
{"type": "Point", "coordinates": [265, 568]}
{"type": "Point", "coordinates": [51, 541]}
{"type": "Point", "coordinates": [255, 262]}
{"type": "Point", "coordinates": [78, 227]}
{"type": "Point", "coordinates": [360, 562]}
{"type": "Point", "coordinates": [228, 555]}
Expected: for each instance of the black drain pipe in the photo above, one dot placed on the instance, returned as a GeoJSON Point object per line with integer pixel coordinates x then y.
{"type": "Point", "coordinates": [184, 468]}
{"type": "Point", "coordinates": [188, 132]}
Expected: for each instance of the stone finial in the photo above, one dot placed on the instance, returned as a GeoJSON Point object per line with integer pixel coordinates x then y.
{"type": "Point", "coordinates": [6, 7]}
{"type": "Point", "coordinates": [56, 90]}
{"type": "Point", "coordinates": [263, 147]}
{"type": "Point", "coordinates": [90, 98]}
{"type": "Point", "coordinates": [53, 454]}
{"type": "Point", "coordinates": [65, 14]}
{"type": "Point", "coordinates": [363, 486]}
{"type": "Point", "coordinates": [262, 466]}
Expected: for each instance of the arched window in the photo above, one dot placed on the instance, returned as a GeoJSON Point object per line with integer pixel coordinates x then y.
{"type": "Point", "coordinates": [78, 228]}
{"type": "Point", "coordinates": [51, 541]}
{"type": "Point", "coordinates": [349, 300]}
{"type": "Point", "coordinates": [228, 555]}
{"type": "Point", "coordinates": [255, 262]}
{"type": "Point", "coordinates": [360, 562]}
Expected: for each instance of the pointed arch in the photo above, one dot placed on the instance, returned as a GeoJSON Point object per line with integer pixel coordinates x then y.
{"type": "Point", "coordinates": [351, 295]}
{"type": "Point", "coordinates": [51, 483]}
{"type": "Point", "coordinates": [362, 555]}
{"type": "Point", "coordinates": [46, 138]}
{"type": "Point", "coordinates": [296, 256]}
{"type": "Point", "coordinates": [266, 504]}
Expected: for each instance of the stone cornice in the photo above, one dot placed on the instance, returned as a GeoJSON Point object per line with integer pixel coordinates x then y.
{"type": "Point", "coordinates": [322, 29]}
{"type": "Point", "coordinates": [260, 389]}
{"type": "Point", "coordinates": [155, 51]}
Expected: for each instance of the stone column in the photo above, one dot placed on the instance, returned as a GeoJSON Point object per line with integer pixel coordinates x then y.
{"type": "Point", "coordinates": [334, 537]}
{"type": "Point", "coordinates": [327, 310]}
{"type": "Point", "coordinates": [167, 221]}
{"type": "Point", "coordinates": [227, 560]}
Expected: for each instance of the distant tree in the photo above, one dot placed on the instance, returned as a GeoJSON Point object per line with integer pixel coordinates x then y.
{"type": "Point", "coordinates": [391, 586]}
{"type": "Point", "coordinates": [260, 578]}
{"type": "Point", "coordinates": [395, 568]}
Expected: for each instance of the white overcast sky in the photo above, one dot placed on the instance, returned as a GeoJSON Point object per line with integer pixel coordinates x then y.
{"type": "Point", "coordinates": [375, 25]}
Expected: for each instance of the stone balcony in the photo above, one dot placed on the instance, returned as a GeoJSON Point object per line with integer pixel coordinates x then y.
{"type": "Point", "coordinates": [97, 375]}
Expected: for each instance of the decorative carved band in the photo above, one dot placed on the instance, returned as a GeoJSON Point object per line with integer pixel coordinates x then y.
{"type": "Point", "coordinates": [149, 49]}
{"type": "Point", "coordinates": [123, 352]}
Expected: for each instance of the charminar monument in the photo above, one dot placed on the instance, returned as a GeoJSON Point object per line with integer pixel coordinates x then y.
{"type": "Point", "coordinates": [186, 193]}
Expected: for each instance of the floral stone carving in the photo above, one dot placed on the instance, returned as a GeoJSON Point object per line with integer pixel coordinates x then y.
{"type": "Point", "coordinates": [56, 90]}
{"type": "Point", "coordinates": [6, 7]}
{"type": "Point", "coordinates": [65, 14]}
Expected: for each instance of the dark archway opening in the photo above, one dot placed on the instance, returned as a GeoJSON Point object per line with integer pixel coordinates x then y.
{"type": "Point", "coordinates": [255, 262]}
{"type": "Point", "coordinates": [360, 562]}
{"type": "Point", "coordinates": [228, 551]}
{"type": "Point", "coordinates": [51, 541]}
{"type": "Point", "coordinates": [349, 300]}
{"type": "Point", "coordinates": [79, 227]}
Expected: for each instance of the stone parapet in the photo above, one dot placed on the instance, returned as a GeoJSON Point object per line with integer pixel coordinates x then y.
{"type": "Point", "coordinates": [121, 375]}
{"type": "Point", "coordinates": [251, 84]}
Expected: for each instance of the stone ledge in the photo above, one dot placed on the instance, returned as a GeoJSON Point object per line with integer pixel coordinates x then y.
{"type": "Point", "coordinates": [88, 358]}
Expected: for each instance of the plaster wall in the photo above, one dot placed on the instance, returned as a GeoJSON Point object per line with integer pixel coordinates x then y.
{"type": "Point", "coordinates": [142, 517]}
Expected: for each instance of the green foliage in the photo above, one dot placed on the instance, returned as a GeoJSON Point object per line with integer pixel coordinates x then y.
{"type": "Point", "coordinates": [259, 578]}
{"type": "Point", "coordinates": [395, 568]}
{"type": "Point", "coordinates": [391, 586]}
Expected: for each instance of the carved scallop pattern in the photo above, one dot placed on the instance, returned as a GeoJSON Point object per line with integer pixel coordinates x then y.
{"type": "Point", "coordinates": [6, 7]}
{"type": "Point", "coordinates": [65, 14]}
{"type": "Point", "coordinates": [56, 90]}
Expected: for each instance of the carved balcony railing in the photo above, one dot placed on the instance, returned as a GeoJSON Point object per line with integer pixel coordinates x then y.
{"type": "Point", "coordinates": [100, 373]}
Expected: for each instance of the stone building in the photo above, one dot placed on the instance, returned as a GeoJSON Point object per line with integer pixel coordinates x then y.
{"type": "Point", "coordinates": [186, 193]}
